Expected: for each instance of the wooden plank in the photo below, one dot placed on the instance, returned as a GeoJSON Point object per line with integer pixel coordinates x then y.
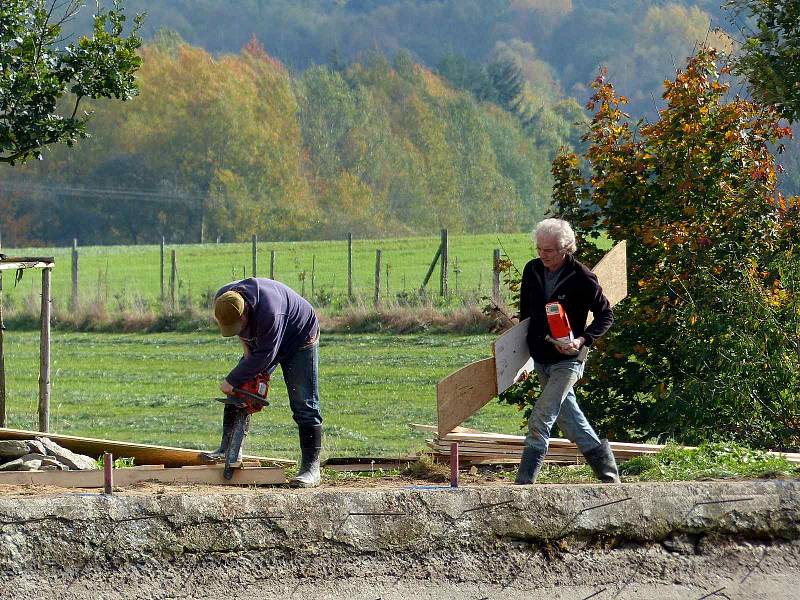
{"type": "Point", "coordinates": [15, 264]}
{"type": "Point", "coordinates": [141, 453]}
{"type": "Point", "coordinates": [512, 356]}
{"type": "Point", "coordinates": [122, 477]}
{"type": "Point", "coordinates": [364, 468]}
{"type": "Point", "coordinates": [434, 429]}
{"type": "Point", "coordinates": [612, 273]}
{"type": "Point", "coordinates": [462, 393]}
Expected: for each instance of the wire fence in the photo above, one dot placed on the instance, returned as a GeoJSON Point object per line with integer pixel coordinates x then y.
{"type": "Point", "coordinates": [444, 270]}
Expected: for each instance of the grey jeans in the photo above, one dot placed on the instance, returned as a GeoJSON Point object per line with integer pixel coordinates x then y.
{"type": "Point", "coordinates": [557, 404]}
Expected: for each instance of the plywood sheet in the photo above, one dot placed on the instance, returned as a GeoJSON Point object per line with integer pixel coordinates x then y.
{"type": "Point", "coordinates": [612, 273]}
{"type": "Point", "coordinates": [211, 475]}
{"type": "Point", "coordinates": [144, 454]}
{"type": "Point", "coordinates": [462, 393]}
{"type": "Point", "coordinates": [511, 355]}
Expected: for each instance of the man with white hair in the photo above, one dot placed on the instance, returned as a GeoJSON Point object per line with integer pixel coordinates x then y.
{"type": "Point", "coordinates": [556, 277]}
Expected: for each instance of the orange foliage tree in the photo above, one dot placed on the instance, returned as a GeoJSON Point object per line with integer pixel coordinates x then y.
{"type": "Point", "coordinates": [708, 343]}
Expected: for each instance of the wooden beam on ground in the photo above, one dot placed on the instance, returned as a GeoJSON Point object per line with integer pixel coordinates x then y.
{"type": "Point", "coordinates": [141, 453]}
{"type": "Point", "coordinates": [361, 464]}
{"type": "Point", "coordinates": [462, 393]}
{"type": "Point", "coordinates": [210, 475]}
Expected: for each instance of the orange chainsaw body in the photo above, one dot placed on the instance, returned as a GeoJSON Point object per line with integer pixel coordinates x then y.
{"type": "Point", "coordinates": [558, 322]}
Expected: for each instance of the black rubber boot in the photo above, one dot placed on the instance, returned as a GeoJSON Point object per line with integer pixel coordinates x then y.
{"type": "Point", "coordinates": [228, 417]}
{"type": "Point", "coordinates": [310, 447]}
{"type": "Point", "coordinates": [601, 459]}
{"type": "Point", "coordinates": [532, 460]}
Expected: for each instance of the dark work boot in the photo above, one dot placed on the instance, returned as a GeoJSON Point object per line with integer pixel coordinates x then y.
{"type": "Point", "coordinates": [531, 464]}
{"type": "Point", "coordinates": [228, 417]}
{"type": "Point", "coordinates": [601, 459]}
{"type": "Point", "coordinates": [310, 447]}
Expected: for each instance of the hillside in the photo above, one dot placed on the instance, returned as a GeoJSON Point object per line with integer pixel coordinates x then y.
{"type": "Point", "coordinates": [306, 120]}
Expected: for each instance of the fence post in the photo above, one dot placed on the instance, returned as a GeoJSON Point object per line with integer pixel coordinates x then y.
{"type": "Point", "coordinates": [496, 276]}
{"type": "Point", "coordinates": [255, 256]}
{"type": "Point", "coordinates": [313, 273]}
{"type": "Point", "coordinates": [44, 355]}
{"type": "Point", "coordinates": [2, 355]}
{"type": "Point", "coordinates": [432, 267]}
{"type": "Point", "coordinates": [443, 265]}
{"type": "Point", "coordinates": [162, 270]}
{"type": "Point", "coordinates": [272, 264]}
{"type": "Point", "coordinates": [73, 300]}
{"type": "Point", "coordinates": [350, 266]}
{"type": "Point", "coordinates": [377, 277]}
{"type": "Point", "coordinates": [173, 282]}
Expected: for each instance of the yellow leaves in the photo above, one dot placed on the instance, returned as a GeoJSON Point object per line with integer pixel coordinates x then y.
{"type": "Point", "coordinates": [691, 128]}
{"type": "Point", "coordinates": [689, 211]}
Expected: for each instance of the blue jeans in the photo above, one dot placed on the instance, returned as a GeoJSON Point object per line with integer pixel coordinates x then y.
{"type": "Point", "coordinates": [557, 404]}
{"type": "Point", "coordinates": [300, 375]}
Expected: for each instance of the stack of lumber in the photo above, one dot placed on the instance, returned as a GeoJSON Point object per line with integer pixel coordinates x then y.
{"type": "Point", "coordinates": [478, 447]}
{"type": "Point", "coordinates": [163, 464]}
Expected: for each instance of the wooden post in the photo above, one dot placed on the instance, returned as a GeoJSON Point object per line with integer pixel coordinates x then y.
{"type": "Point", "coordinates": [432, 267]}
{"type": "Point", "coordinates": [73, 300]}
{"type": "Point", "coordinates": [44, 356]}
{"type": "Point", "coordinates": [255, 256]}
{"type": "Point", "coordinates": [377, 277]}
{"type": "Point", "coordinates": [313, 273]}
{"type": "Point", "coordinates": [163, 268]}
{"type": "Point", "coordinates": [272, 264]}
{"type": "Point", "coordinates": [108, 473]}
{"type": "Point", "coordinates": [2, 355]}
{"type": "Point", "coordinates": [350, 266]}
{"type": "Point", "coordinates": [173, 282]}
{"type": "Point", "coordinates": [454, 464]}
{"type": "Point", "coordinates": [496, 277]}
{"type": "Point", "coordinates": [443, 265]}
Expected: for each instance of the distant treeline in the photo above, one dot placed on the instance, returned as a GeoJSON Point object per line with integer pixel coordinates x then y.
{"type": "Point", "coordinates": [236, 145]}
{"type": "Point", "coordinates": [381, 117]}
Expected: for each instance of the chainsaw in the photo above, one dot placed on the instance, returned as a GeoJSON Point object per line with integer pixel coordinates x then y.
{"type": "Point", "coordinates": [560, 329]}
{"type": "Point", "coordinates": [248, 398]}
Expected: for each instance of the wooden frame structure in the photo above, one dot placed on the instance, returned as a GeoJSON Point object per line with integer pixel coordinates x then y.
{"type": "Point", "coordinates": [18, 264]}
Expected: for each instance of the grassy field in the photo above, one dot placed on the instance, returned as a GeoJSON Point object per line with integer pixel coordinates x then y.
{"type": "Point", "coordinates": [158, 388]}
{"type": "Point", "coordinates": [120, 275]}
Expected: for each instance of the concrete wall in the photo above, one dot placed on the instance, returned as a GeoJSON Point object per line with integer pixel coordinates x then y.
{"type": "Point", "coordinates": [680, 540]}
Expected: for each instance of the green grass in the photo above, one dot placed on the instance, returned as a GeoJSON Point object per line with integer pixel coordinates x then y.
{"type": "Point", "coordinates": [159, 388]}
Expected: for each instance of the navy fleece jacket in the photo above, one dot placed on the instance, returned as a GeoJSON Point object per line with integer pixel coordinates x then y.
{"type": "Point", "coordinates": [280, 321]}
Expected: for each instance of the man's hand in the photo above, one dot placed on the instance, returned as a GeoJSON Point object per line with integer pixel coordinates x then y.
{"type": "Point", "coordinates": [226, 387]}
{"type": "Point", "coordinates": [572, 347]}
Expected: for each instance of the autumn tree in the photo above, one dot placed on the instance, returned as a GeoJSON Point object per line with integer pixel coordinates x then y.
{"type": "Point", "coordinates": [42, 84]}
{"type": "Point", "coordinates": [705, 345]}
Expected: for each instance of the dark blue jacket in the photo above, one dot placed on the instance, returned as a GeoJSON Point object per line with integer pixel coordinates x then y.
{"type": "Point", "coordinates": [578, 291]}
{"type": "Point", "coordinates": [280, 322]}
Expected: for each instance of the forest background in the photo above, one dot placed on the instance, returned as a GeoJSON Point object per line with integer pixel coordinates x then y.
{"type": "Point", "coordinates": [312, 119]}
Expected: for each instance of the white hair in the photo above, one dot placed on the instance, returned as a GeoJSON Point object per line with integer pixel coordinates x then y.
{"type": "Point", "coordinates": [556, 229]}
